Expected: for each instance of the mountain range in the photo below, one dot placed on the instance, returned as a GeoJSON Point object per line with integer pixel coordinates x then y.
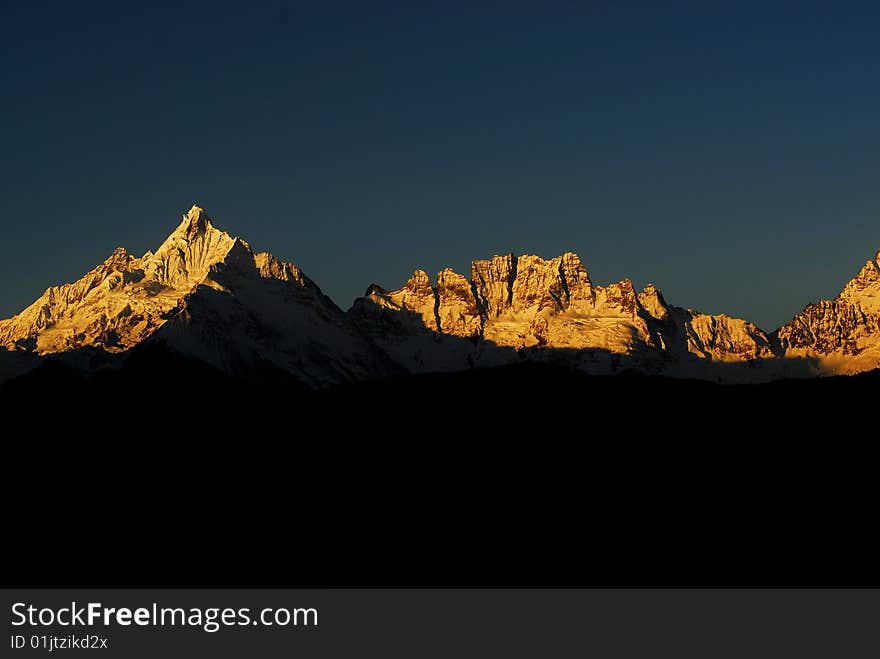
{"type": "Point", "coordinates": [207, 297]}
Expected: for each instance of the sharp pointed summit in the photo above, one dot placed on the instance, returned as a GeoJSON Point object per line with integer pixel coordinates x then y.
{"type": "Point", "coordinates": [195, 221]}
{"type": "Point", "coordinates": [187, 255]}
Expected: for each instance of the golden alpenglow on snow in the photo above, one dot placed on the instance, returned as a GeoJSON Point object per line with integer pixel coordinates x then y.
{"type": "Point", "coordinates": [206, 296]}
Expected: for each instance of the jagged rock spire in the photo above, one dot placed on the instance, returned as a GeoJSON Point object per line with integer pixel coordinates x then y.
{"type": "Point", "coordinates": [195, 222]}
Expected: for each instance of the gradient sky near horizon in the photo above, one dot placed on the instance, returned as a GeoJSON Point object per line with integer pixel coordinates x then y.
{"type": "Point", "coordinates": [727, 153]}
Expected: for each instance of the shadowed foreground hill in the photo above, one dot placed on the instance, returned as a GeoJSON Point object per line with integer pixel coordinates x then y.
{"type": "Point", "coordinates": [457, 406]}
{"type": "Point", "coordinates": [529, 474]}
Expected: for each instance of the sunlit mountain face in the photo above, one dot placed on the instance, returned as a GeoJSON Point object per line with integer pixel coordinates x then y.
{"type": "Point", "coordinates": [206, 296]}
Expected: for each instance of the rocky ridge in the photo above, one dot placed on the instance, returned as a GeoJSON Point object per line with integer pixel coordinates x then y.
{"type": "Point", "coordinates": [840, 335]}
{"type": "Point", "coordinates": [515, 306]}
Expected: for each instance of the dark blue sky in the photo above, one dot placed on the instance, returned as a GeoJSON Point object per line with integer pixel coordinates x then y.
{"type": "Point", "coordinates": [729, 154]}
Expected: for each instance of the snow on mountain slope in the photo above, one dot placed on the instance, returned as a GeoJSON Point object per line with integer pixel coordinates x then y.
{"type": "Point", "coordinates": [252, 309]}
{"type": "Point", "coordinates": [208, 296]}
{"type": "Point", "coordinates": [841, 335]}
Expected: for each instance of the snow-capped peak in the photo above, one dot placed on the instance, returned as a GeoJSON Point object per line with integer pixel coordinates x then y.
{"type": "Point", "coordinates": [187, 255]}
{"type": "Point", "coordinates": [195, 221]}
{"type": "Point", "coordinates": [123, 300]}
{"type": "Point", "coordinates": [206, 295]}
